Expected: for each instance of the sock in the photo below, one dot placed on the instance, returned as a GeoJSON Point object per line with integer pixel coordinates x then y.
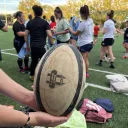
{"type": "Point", "coordinates": [127, 54]}
{"type": "Point", "coordinates": [20, 64]}
{"type": "Point", "coordinates": [26, 60]}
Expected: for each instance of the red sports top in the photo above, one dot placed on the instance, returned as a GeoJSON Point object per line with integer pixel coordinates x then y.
{"type": "Point", "coordinates": [53, 24]}
{"type": "Point", "coordinates": [96, 30]}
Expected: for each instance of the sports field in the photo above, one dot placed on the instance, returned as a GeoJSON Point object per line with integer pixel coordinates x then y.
{"type": "Point", "coordinates": [98, 84]}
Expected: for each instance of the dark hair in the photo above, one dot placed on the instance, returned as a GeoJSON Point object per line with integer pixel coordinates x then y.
{"type": "Point", "coordinates": [85, 11]}
{"type": "Point", "coordinates": [96, 23]}
{"type": "Point", "coordinates": [114, 21]}
{"type": "Point", "coordinates": [111, 14]}
{"type": "Point", "coordinates": [29, 16]}
{"type": "Point", "coordinates": [52, 18]}
{"type": "Point", "coordinates": [37, 10]}
{"type": "Point", "coordinates": [18, 14]}
{"type": "Point", "coordinates": [44, 17]}
{"type": "Point", "coordinates": [58, 10]}
{"type": "Point", "coordinates": [71, 18]}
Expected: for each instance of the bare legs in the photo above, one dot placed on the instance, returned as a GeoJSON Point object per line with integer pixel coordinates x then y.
{"type": "Point", "coordinates": [85, 56]}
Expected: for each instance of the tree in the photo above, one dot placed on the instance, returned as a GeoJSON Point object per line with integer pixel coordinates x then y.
{"type": "Point", "coordinates": [26, 6]}
{"type": "Point", "coordinates": [48, 11]}
{"type": "Point", "coordinates": [98, 8]}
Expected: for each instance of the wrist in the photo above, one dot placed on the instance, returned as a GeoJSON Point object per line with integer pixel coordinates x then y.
{"type": "Point", "coordinates": [29, 98]}
{"type": "Point", "coordinates": [28, 120]}
{"type": "Point", "coordinates": [32, 121]}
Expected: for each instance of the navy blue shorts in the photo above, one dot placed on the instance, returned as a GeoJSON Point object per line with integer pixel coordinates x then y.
{"type": "Point", "coordinates": [125, 41]}
{"type": "Point", "coordinates": [74, 38]}
{"type": "Point", "coordinates": [86, 48]}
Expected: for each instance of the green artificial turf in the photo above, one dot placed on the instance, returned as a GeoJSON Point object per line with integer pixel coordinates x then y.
{"type": "Point", "coordinates": [120, 115]}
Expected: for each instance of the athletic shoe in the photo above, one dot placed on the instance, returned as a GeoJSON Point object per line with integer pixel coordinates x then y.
{"type": "Point", "coordinates": [125, 57]}
{"type": "Point", "coordinates": [22, 71]}
{"type": "Point", "coordinates": [114, 58]}
{"type": "Point", "coordinates": [87, 75]}
{"type": "Point", "coordinates": [105, 59]}
{"type": "Point", "coordinates": [32, 87]}
{"type": "Point", "coordinates": [32, 78]}
{"type": "Point", "coordinates": [99, 63]}
{"type": "Point", "coordinates": [26, 69]}
{"type": "Point", "coordinates": [112, 66]}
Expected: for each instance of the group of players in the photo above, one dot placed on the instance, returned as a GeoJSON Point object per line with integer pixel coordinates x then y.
{"type": "Point", "coordinates": [78, 33]}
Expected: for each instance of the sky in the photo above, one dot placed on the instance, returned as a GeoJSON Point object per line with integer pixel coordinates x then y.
{"type": "Point", "coordinates": [12, 5]}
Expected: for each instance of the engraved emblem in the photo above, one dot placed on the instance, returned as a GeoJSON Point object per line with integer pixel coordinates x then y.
{"type": "Point", "coordinates": [55, 79]}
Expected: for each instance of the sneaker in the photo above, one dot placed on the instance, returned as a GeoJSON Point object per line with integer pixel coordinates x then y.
{"type": "Point", "coordinates": [32, 78]}
{"type": "Point", "coordinates": [124, 57]}
{"type": "Point", "coordinates": [114, 58]}
{"type": "Point", "coordinates": [99, 63]}
{"type": "Point", "coordinates": [87, 75]}
{"type": "Point", "coordinates": [26, 69]}
{"type": "Point", "coordinates": [105, 59]}
{"type": "Point", "coordinates": [22, 71]}
{"type": "Point", "coordinates": [32, 87]}
{"type": "Point", "coordinates": [112, 66]}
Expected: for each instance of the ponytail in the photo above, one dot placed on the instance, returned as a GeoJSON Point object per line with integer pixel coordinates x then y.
{"type": "Point", "coordinates": [111, 14]}
{"type": "Point", "coordinates": [18, 14]}
{"type": "Point", "coordinates": [85, 11]}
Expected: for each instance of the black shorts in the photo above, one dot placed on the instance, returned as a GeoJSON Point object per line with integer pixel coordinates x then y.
{"type": "Point", "coordinates": [96, 36]}
{"type": "Point", "coordinates": [59, 42]}
{"type": "Point", "coordinates": [86, 48]}
{"type": "Point", "coordinates": [18, 45]}
{"type": "Point", "coordinates": [107, 42]}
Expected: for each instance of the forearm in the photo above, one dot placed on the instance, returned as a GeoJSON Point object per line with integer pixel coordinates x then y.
{"type": "Point", "coordinates": [26, 37]}
{"type": "Point", "coordinates": [11, 117]}
{"type": "Point", "coordinates": [118, 31]}
{"type": "Point", "coordinates": [104, 30]}
{"type": "Point", "coordinates": [13, 90]}
{"type": "Point", "coordinates": [26, 40]}
{"type": "Point", "coordinates": [21, 34]}
{"type": "Point", "coordinates": [60, 33]}
{"type": "Point", "coordinates": [74, 33]}
{"type": "Point", "coordinates": [51, 39]}
{"type": "Point", "coordinates": [5, 28]}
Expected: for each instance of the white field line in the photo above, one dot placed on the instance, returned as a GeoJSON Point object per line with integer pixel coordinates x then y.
{"type": "Point", "coordinates": [91, 69]}
{"type": "Point", "coordinates": [103, 88]}
{"type": "Point", "coordinates": [11, 54]}
{"type": "Point", "coordinates": [89, 84]}
{"type": "Point", "coordinates": [8, 53]}
{"type": "Point", "coordinates": [3, 50]}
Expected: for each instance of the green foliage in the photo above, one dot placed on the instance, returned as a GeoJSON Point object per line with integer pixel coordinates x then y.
{"type": "Point", "coordinates": [98, 8]}
{"type": "Point", "coordinates": [122, 26]}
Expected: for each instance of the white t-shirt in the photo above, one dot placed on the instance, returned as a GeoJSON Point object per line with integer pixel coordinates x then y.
{"type": "Point", "coordinates": [109, 25]}
{"type": "Point", "coordinates": [86, 35]}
